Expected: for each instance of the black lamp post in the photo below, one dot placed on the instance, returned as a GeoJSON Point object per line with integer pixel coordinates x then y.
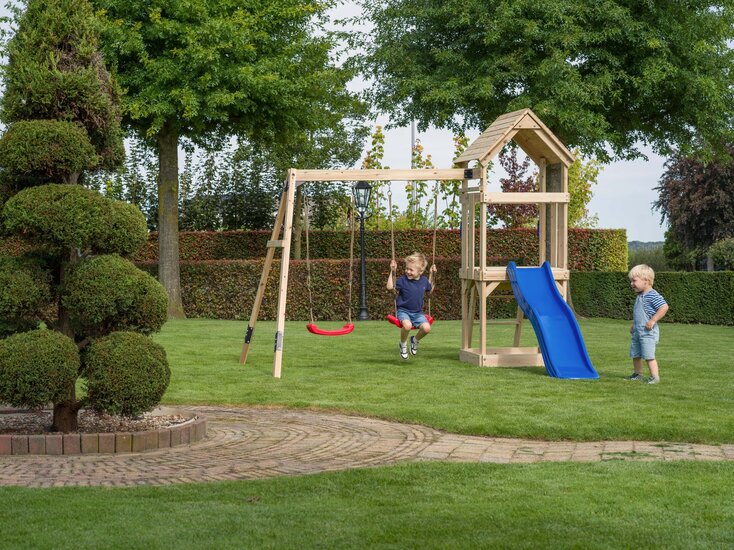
{"type": "Point", "coordinates": [362, 200]}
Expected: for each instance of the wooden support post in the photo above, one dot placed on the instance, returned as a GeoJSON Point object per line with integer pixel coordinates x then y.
{"type": "Point", "coordinates": [518, 328]}
{"type": "Point", "coordinates": [273, 243]}
{"type": "Point", "coordinates": [284, 265]}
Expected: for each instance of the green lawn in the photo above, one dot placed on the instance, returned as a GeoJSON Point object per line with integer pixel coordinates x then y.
{"type": "Point", "coordinates": [363, 373]}
{"type": "Point", "coordinates": [613, 504]}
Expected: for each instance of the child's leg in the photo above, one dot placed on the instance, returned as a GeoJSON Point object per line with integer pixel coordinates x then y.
{"type": "Point", "coordinates": [424, 329]}
{"type": "Point", "coordinates": [652, 364]}
{"type": "Point", "coordinates": [637, 364]}
{"type": "Point", "coordinates": [405, 330]}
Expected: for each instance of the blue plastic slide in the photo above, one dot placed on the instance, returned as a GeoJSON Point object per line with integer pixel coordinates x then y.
{"type": "Point", "coordinates": [558, 333]}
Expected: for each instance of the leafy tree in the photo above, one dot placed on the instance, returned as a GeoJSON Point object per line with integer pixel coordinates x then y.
{"type": "Point", "coordinates": [203, 68]}
{"type": "Point", "coordinates": [600, 74]}
{"type": "Point", "coordinates": [582, 176]}
{"type": "Point", "coordinates": [697, 200]}
{"type": "Point", "coordinates": [75, 281]}
{"type": "Point", "coordinates": [517, 181]}
{"type": "Point", "coordinates": [378, 196]}
{"type": "Point", "coordinates": [722, 253]}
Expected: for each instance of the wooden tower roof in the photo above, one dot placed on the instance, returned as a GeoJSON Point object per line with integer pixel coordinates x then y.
{"type": "Point", "coordinates": [524, 128]}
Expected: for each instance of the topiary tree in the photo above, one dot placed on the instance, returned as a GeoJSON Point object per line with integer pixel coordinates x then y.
{"type": "Point", "coordinates": [75, 309]}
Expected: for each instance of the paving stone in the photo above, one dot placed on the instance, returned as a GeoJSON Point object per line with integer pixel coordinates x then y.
{"type": "Point", "coordinates": [257, 443]}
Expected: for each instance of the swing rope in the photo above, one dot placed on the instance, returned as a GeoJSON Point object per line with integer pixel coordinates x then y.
{"type": "Point", "coordinates": [312, 328]}
{"type": "Point", "coordinates": [394, 318]}
{"type": "Point", "coordinates": [435, 227]}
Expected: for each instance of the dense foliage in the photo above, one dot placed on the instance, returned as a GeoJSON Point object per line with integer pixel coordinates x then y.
{"type": "Point", "coordinates": [58, 294]}
{"type": "Point", "coordinates": [206, 69]}
{"type": "Point", "coordinates": [55, 72]}
{"type": "Point", "coordinates": [693, 297]}
{"type": "Point", "coordinates": [697, 200]}
{"type": "Point", "coordinates": [604, 76]}
{"type": "Point", "coordinates": [126, 373]}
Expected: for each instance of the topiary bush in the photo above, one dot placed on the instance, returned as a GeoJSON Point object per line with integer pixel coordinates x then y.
{"type": "Point", "coordinates": [24, 292]}
{"type": "Point", "coordinates": [61, 107]}
{"type": "Point", "coordinates": [127, 373]}
{"type": "Point", "coordinates": [107, 293]}
{"type": "Point", "coordinates": [37, 367]}
{"type": "Point", "coordinates": [42, 150]}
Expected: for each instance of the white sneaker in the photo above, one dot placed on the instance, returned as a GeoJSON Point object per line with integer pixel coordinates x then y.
{"type": "Point", "coordinates": [403, 349]}
{"type": "Point", "coordinates": [414, 345]}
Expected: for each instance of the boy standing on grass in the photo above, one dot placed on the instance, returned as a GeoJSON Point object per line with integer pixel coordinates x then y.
{"type": "Point", "coordinates": [410, 290]}
{"type": "Point", "coordinates": [649, 308]}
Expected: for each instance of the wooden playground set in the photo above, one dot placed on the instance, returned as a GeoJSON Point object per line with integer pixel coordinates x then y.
{"type": "Point", "coordinates": [478, 280]}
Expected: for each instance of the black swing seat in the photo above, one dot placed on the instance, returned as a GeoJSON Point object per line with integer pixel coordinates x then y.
{"type": "Point", "coordinates": [395, 321]}
{"type": "Point", "coordinates": [346, 329]}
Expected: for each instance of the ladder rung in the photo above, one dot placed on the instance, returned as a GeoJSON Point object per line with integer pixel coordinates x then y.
{"type": "Point", "coordinates": [501, 322]}
{"type": "Point", "coordinates": [275, 244]}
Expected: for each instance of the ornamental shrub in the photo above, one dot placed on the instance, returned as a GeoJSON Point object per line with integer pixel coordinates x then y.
{"type": "Point", "coordinates": [38, 151]}
{"type": "Point", "coordinates": [37, 367]}
{"type": "Point", "coordinates": [67, 216]}
{"type": "Point", "coordinates": [24, 292]}
{"type": "Point", "coordinates": [127, 373]}
{"type": "Point", "coordinates": [108, 293]}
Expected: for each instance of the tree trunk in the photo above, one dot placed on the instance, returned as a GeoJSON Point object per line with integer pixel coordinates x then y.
{"type": "Point", "coordinates": [65, 414]}
{"type": "Point", "coordinates": [168, 267]}
{"type": "Point", "coordinates": [66, 417]}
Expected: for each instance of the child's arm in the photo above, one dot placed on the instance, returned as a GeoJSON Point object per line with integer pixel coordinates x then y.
{"type": "Point", "coordinates": [391, 277]}
{"type": "Point", "coordinates": [659, 314]}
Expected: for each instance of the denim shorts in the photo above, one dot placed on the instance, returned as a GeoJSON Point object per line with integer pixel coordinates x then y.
{"type": "Point", "coordinates": [643, 343]}
{"type": "Point", "coordinates": [416, 317]}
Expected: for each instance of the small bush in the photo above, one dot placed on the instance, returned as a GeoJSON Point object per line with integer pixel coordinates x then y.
{"type": "Point", "coordinates": [37, 367]}
{"type": "Point", "coordinates": [24, 290]}
{"type": "Point", "coordinates": [126, 373]}
{"type": "Point", "coordinates": [69, 216]}
{"type": "Point", "coordinates": [46, 150]}
{"type": "Point", "coordinates": [109, 293]}
{"type": "Point", "coordinates": [125, 230]}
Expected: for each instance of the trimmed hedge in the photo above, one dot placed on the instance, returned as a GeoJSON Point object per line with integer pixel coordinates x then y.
{"type": "Point", "coordinates": [698, 297]}
{"type": "Point", "coordinates": [589, 249]}
{"type": "Point", "coordinates": [226, 290]}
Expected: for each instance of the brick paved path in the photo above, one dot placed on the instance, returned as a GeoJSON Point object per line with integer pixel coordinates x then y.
{"type": "Point", "coordinates": [250, 443]}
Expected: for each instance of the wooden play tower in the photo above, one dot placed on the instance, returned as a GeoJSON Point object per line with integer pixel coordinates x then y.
{"type": "Point", "coordinates": [478, 280]}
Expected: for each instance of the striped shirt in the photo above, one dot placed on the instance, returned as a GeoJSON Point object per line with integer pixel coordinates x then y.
{"type": "Point", "coordinates": [652, 301]}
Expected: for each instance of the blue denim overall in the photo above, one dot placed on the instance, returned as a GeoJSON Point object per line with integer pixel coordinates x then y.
{"type": "Point", "coordinates": [643, 339]}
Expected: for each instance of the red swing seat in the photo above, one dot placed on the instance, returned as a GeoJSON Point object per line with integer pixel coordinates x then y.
{"type": "Point", "coordinates": [395, 321]}
{"type": "Point", "coordinates": [346, 329]}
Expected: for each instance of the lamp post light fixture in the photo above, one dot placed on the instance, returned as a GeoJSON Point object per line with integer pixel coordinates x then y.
{"type": "Point", "coordinates": [362, 192]}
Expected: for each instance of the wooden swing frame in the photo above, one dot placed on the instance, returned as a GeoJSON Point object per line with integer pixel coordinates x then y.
{"type": "Point", "coordinates": [478, 280]}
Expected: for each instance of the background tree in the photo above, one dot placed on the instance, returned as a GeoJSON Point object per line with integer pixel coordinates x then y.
{"type": "Point", "coordinates": [582, 177]}
{"type": "Point", "coordinates": [517, 181]}
{"type": "Point", "coordinates": [95, 305]}
{"type": "Point", "coordinates": [604, 76]}
{"type": "Point", "coordinates": [697, 201]}
{"type": "Point", "coordinates": [217, 67]}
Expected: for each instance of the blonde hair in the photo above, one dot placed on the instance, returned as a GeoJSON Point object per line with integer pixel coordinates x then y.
{"type": "Point", "coordinates": [643, 271]}
{"type": "Point", "coordinates": [419, 259]}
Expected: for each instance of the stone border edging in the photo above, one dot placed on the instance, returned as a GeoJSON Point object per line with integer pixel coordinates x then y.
{"type": "Point", "coordinates": [105, 443]}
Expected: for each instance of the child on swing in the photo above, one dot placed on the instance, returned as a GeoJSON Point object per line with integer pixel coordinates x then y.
{"type": "Point", "coordinates": [410, 290]}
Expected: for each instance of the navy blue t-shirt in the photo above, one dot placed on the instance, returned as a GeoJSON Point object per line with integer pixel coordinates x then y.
{"type": "Point", "coordinates": [411, 292]}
